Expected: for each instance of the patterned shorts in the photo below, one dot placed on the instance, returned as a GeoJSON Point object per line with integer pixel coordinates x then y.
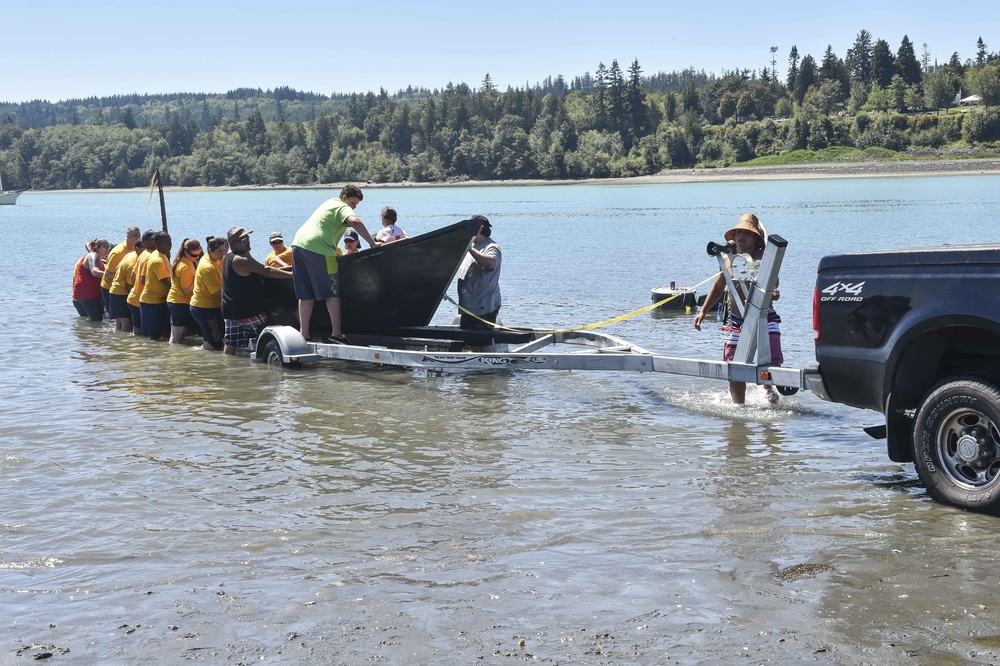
{"type": "Point", "coordinates": [239, 332]}
{"type": "Point", "coordinates": [733, 327]}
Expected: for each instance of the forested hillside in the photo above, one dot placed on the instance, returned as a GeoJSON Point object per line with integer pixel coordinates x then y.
{"type": "Point", "coordinates": [613, 123]}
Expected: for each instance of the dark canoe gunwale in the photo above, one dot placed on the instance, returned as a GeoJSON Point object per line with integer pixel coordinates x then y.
{"type": "Point", "coordinates": [393, 286]}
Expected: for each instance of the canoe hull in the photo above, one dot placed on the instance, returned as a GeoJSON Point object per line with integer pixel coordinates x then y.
{"type": "Point", "coordinates": [398, 285]}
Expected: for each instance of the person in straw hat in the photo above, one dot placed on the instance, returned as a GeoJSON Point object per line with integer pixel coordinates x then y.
{"type": "Point", "coordinates": [749, 236]}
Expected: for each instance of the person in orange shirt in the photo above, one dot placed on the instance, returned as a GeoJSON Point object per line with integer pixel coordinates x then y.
{"type": "Point", "coordinates": [206, 299]}
{"type": "Point", "coordinates": [137, 285]}
{"type": "Point", "coordinates": [281, 255]}
{"type": "Point", "coordinates": [181, 286]}
{"type": "Point", "coordinates": [121, 285]}
{"type": "Point", "coordinates": [153, 299]}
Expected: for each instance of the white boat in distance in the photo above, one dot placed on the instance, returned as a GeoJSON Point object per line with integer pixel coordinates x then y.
{"type": "Point", "coordinates": [9, 197]}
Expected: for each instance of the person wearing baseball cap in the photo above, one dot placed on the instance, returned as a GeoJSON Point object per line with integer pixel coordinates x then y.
{"type": "Point", "coordinates": [479, 282]}
{"type": "Point", "coordinates": [281, 254]}
{"type": "Point", "coordinates": [243, 307]}
{"type": "Point", "coordinates": [351, 241]}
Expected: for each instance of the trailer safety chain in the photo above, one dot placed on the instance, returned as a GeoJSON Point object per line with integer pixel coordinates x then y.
{"type": "Point", "coordinates": [588, 327]}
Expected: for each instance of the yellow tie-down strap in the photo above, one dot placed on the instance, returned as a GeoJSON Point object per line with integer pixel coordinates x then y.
{"type": "Point", "coordinates": [588, 327]}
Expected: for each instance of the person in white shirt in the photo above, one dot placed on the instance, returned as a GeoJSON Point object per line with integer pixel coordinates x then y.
{"type": "Point", "coordinates": [389, 231]}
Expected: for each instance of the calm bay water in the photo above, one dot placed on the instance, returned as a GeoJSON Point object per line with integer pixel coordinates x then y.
{"type": "Point", "coordinates": [166, 504]}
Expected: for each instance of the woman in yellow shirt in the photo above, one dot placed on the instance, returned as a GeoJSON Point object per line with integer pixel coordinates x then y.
{"type": "Point", "coordinates": [206, 296]}
{"type": "Point", "coordinates": [181, 287]}
{"type": "Point", "coordinates": [121, 286]}
{"type": "Point", "coordinates": [153, 300]}
{"type": "Point", "coordinates": [139, 281]}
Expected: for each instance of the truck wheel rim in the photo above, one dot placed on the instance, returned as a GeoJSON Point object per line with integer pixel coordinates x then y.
{"type": "Point", "coordinates": [967, 446]}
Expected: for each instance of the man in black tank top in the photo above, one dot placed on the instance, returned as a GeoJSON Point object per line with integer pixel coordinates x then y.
{"type": "Point", "coordinates": [243, 291]}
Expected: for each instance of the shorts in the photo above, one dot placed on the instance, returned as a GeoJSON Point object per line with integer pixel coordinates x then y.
{"type": "Point", "coordinates": [155, 320]}
{"type": "Point", "coordinates": [316, 276]}
{"type": "Point", "coordinates": [731, 330]}
{"type": "Point", "coordinates": [119, 307]}
{"type": "Point", "coordinates": [239, 332]}
{"type": "Point", "coordinates": [180, 315]}
{"type": "Point", "coordinates": [211, 324]}
{"type": "Point", "coordinates": [136, 318]}
{"type": "Point", "coordinates": [470, 322]}
{"type": "Point", "coordinates": [92, 308]}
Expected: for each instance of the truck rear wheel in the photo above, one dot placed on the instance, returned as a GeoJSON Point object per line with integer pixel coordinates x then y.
{"type": "Point", "coordinates": [956, 443]}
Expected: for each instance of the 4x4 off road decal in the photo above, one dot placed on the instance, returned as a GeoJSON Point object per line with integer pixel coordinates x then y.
{"type": "Point", "coordinates": [842, 292]}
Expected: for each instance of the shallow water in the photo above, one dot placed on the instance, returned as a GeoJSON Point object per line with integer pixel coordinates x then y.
{"type": "Point", "coordinates": [166, 504]}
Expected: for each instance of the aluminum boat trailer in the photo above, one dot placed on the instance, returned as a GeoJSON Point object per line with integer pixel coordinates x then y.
{"type": "Point", "coordinates": [440, 349]}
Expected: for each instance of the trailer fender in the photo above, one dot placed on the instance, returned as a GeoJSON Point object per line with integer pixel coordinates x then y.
{"type": "Point", "coordinates": [288, 342]}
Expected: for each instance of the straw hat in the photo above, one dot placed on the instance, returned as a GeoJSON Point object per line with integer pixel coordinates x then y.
{"type": "Point", "coordinates": [747, 222]}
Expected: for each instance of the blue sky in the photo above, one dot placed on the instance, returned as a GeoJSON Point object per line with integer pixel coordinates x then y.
{"type": "Point", "coordinates": [58, 50]}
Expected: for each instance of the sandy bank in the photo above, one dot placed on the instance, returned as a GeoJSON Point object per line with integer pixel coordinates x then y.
{"type": "Point", "coordinates": [782, 172]}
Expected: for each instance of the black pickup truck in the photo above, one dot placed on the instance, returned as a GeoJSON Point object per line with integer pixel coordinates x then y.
{"type": "Point", "coordinates": [915, 334]}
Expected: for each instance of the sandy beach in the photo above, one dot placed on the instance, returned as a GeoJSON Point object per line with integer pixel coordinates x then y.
{"type": "Point", "coordinates": [817, 170]}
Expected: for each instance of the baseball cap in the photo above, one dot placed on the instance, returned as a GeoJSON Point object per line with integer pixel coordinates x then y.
{"type": "Point", "coordinates": [237, 233]}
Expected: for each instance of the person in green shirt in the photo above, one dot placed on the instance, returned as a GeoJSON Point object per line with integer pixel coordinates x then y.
{"type": "Point", "coordinates": [314, 255]}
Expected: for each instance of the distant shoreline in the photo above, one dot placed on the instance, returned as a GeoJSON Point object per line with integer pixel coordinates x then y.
{"type": "Point", "coordinates": [808, 171]}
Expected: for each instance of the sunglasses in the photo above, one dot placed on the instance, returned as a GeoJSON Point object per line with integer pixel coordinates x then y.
{"type": "Point", "coordinates": [277, 242]}
{"type": "Point", "coordinates": [245, 239]}
{"type": "Point", "coordinates": [196, 255]}
{"type": "Point", "coordinates": [350, 240]}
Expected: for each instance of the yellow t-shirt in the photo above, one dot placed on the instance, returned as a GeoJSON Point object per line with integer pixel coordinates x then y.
{"type": "Point", "coordinates": [157, 270]}
{"type": "Point", "coordinates": [121, 283]}
{"type": "Point", "coordinates": [285, 256]}
{"type": "Point", "coordinates": [181, 278]}
{"type": "Point", "coordinates": [135, 294]}
{"type": "Point", "coordinates": [207, 284]}
{"type": "Point", "coordinates": [115, 257]}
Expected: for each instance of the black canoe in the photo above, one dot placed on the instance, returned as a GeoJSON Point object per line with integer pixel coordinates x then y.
{"type": "Point", "coordinates": [398, 285]}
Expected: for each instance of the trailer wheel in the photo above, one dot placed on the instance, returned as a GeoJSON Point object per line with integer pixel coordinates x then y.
{"type": "Point", "coordinates": [272, 355]}
{"type": "Point", "coordinates": [956, 443]}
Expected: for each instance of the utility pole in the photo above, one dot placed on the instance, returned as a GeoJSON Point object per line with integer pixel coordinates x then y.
{"type": "Point", "coordinates": [774, 74]}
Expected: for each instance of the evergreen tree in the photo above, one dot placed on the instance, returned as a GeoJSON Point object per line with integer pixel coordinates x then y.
{"type": "Point", "coordinates": [834, 69]}
{"type": "Point", "coordinates": [793, 67]}
{"type": "Point", "coordinates": [859, 58]}
{"type": "Point", "coordinates": [805, 79]}
{"type": "Point", "coordinates": [599, 98]}
{"type": "Point", "coordinates": [906, 63]}
{"type": "Point", "coordinates": [689, 98]}
{"type": "Point", "coordinates": [882, 64]}
{"type": "Point", "coordinates": [128, 118]}
{"type": "Point", "coordinates": [670, 107]}
{"type": "Point", "coordinates": [956, 64]}
{"type": "Point", "coordinates": [638, 112]}
{"type": "Point", "coordinates": [981, 52]}
{"type": "Point", "coordinates": [616, 99]}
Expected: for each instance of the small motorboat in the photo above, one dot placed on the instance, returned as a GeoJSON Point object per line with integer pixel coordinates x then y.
{"type": "Point", "coordinates": [680, 297]}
